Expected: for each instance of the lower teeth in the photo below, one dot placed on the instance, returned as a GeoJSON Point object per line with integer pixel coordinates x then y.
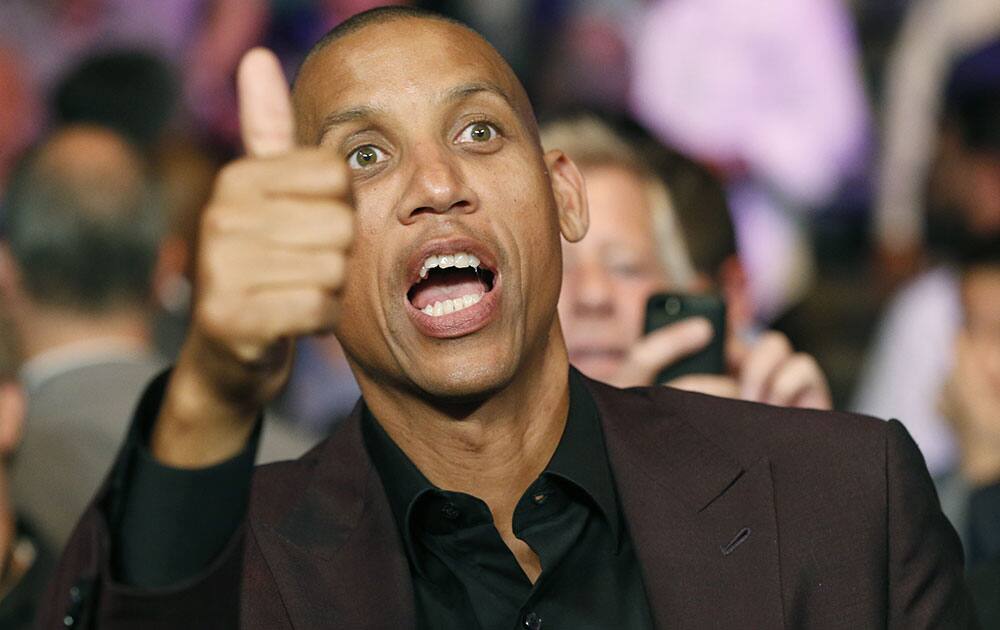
{"type": "Point", "coordinates": [446, 307]}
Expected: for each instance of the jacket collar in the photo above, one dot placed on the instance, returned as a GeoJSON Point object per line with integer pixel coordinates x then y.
{"type": "Point", "coordinates": [702, 523]}
{"type": "Point", "coordinates": [335, 554]}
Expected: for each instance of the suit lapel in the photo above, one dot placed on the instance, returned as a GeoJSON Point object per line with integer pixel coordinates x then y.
{"type": "Point", "coordinates": [703, 525]}
{"type": "Point", "coordinates": [336, 556]}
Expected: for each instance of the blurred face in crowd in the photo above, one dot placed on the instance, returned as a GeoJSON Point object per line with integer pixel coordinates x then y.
{"type": "Point", "coordinates": [982, 192]}
{"type": "Point", "coordinates": [455, 268]}
{"type": "Point", "coordinates": [981, 299]}
{"type": "Point", "coordinates": [611, 273]}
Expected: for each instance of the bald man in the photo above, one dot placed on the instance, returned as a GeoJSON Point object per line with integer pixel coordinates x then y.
{"type": "Point", "coordinates": [401, 200]}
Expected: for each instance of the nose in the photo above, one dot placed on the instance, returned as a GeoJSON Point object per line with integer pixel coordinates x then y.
{"type": "Point", "coordinates": [436, 186]}
{"type": "Point", "coordinates": [590, 290]}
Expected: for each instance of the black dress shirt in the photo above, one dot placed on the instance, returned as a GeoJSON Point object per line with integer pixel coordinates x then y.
{"type": "Point", "coordinates": [464, 576]}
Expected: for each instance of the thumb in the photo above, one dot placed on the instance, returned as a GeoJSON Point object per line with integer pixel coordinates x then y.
{"type": "Point", "coordinates": [266, 120]}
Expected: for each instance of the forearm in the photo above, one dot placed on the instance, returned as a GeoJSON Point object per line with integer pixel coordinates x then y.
{"type": "Point", "coordinates": [175, 522]}
{"type": "Point", "coordinates": [168, 523]}
{"type": "Point", "coordinates": [203, 419]}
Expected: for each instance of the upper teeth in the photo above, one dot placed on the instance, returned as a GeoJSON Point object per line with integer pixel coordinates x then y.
{"type": "Point", "coordinates": [461, 259]}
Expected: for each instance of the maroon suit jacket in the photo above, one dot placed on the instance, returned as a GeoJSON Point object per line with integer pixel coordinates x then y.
{"type": "Point", "coordinates": [742, 515]}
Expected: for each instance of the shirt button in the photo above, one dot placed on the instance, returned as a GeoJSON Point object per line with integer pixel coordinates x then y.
{"type": "Point", "coordinates": [532, 621]}
{"type": "Point", "coordinates": [449, 511]}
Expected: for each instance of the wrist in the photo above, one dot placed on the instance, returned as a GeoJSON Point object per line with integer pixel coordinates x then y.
{"type": "Point", "coordinates": [208, 412]}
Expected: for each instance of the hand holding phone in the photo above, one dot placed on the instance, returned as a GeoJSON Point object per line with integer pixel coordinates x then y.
{"type": "Point", "coordinates": [664, 309]}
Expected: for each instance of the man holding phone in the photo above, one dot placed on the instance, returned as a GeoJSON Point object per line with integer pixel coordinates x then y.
{"type": "Point", "coordinates": [621, 324]}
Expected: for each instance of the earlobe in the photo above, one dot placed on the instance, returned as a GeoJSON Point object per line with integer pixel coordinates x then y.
{"type": "Point", "coordinates": [12, 414]}
{"type": "Point", "coordinates": [570, 193]}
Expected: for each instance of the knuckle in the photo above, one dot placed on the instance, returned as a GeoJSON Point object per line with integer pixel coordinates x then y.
{"type": "Point", "coordinates": [344, 229]}
{"type": "Point", "coordinates": [214, 221]}
{"type": "Point", "coordinates": [335, 269]}
{"type": "Point", "coordinates": [336, 168]}
{"type": "Point", "coordinates": [232, 173]}
{"type": "Point", "coordinates": [213, 318]}
{"type": "Point", "coordinates": [315, 307]}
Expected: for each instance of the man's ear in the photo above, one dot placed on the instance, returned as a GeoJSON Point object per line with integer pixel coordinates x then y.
{"type": "Point", "coordinates": [12, 295]}
{"type": "Point", "coordinates": [8, 273]}
{"type": "Point", "coordinates": [570, 193]}
{"type": "Point", "coordinates": [13, 408]}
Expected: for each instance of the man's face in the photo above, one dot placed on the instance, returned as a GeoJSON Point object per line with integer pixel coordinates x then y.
{"type": "Point", "coordinates": [446, 171]}
{"type": "Point", "coordinates": [610, 274]}
{"type": "Point", "coordinates": [981, 301]}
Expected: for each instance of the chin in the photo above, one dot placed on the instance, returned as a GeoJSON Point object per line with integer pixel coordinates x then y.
{"type": "Point", "coordinates": [466, 381]}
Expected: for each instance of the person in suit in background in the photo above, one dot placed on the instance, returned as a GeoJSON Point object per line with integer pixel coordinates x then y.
{"type": "Point", "coordinates": [78, 251]}
{"type": "Point", "coordinates": [481, 481]}
{"type": "Point", "coordinates": [660, 222]}
{"type": "Point", "coordinates": [971, 401]}
{"type": "Point", "coordinates": [25, 559]}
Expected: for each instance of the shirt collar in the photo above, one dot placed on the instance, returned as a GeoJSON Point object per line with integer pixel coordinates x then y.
{"type": "Point", "coordinates": [54, 362]}
{"type": "Point", "coordinates": [580, 458]}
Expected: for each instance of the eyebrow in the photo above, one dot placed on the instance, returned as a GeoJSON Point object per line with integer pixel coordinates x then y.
{"type": "Point", "coordinates": [344, 116]}
{"type": "Point", "coordinates": [456, 93]}
{"type": "Point", "coordinates": [466, 90]}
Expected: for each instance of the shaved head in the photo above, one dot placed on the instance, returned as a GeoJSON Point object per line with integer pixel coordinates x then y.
{"type": "Point", "coordinates": [349, 36]}
{"type": "Point", "coordinates": [379, 15]}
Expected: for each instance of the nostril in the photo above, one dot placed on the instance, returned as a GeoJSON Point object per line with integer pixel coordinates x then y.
{"type": "Point", "coordinates": [422, 210]}
{"type": "Point", "coordinates": [461, 206]}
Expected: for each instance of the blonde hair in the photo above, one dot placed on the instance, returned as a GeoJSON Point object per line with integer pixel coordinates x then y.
{"type": "Point", "coordinates": [591, 143]}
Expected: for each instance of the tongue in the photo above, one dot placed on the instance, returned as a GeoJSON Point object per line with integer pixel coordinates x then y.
{"type": "Point", "coordinates": [442, 286]}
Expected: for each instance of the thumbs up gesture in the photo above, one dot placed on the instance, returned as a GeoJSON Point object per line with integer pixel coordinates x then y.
{"type": "Point", "coordinates": [271, 261]}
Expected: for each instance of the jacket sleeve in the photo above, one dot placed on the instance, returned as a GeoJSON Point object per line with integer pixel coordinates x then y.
{"type": "Point", "coordinates": [158, 547]}
{"type": "Point", "coordinates": [926, 587]}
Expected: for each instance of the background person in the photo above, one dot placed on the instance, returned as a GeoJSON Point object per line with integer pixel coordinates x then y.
{"type": "Point", "coordinates": [660, 222]}
{"type": "Point", "coordinates": [971, 401]}
{"type": "Point", "coordinates": [77, 258]}
{"type": "Point", "coordinates": [913, 349]}
{"type": "Point", "coordinates": [82, 229]}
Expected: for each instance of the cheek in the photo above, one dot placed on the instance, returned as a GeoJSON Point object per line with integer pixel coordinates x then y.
{"type": "Point", "coordinates": [631, 305]}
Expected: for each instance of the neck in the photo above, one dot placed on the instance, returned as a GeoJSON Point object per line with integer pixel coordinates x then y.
{"type": "Point", "coordinates": [496, 450]}
{"type": "Point", "coordinates": [44, 329]}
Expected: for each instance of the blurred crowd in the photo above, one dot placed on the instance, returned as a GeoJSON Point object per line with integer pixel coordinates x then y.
{"type": "Point", "coordinates": [830, 168]}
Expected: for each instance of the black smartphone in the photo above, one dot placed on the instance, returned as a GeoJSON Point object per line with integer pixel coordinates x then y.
{"type": "Point", "coordinates": [663, 309]}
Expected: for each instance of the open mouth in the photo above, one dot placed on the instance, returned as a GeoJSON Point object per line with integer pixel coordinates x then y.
{"type": "Point", "coordinates": [450, 283]}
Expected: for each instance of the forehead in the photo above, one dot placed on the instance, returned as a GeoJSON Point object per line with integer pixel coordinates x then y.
{"type": "Point", "coordinates": [619, 202]}
{"type": "Point", "coordinates": [393, 65]}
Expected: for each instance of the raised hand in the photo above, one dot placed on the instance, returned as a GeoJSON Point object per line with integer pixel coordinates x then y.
{"type": "Point", "coordinates": [273, 254]}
